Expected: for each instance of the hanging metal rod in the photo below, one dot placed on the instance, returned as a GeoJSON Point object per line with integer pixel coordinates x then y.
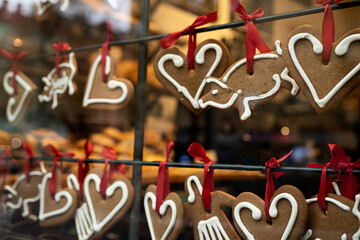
{"type": "Point", "coordinates": [280, 16]}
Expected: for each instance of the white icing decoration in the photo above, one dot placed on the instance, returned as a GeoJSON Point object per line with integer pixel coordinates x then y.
{"type": "Point", "coordinates": [195, 179]}
{"type": "Point", "coordinates": [206, 227]}
{"type": "Point", "coordinates": [340, 50]}
{"type": "Point", "coordinates": [255, 213]}
{"type": "Point", "coordinates": [57, 198]}
{"type": "Point", "coordinates": [42, 8]}
{"type": "Point", "coordinates": [97, 226]}
{"type": "Point", "coordinates": [27, 201]}
{"type": "Point", "coordinates": [356, 212]}
{"type": "Point", "coordinates": [12, 115]}
{"type": "Point", "coordinates": [307, 235]}
{"type": "Point", "coordinates": [179, 62]}
{"type": "Point", "coordinates": [214, 92]}
{"type": "Point", "coordinates": [328, 199]}
{"type": "Point", "coordinates": [111, 84]}
{"type": "Point", "coordinates": [113, 3]}
{"type": "Point", "coordinates": [60, 85]}
{"type": "Point", "coordinates": [336, 188]}
{"type": "Point", "coordinates": [343, 237]}
{"type": "Point", "coordinates": [83, 223]}
{"type": "Point", "coordinates": [285, 76]}
{"type": "Point", "coordinates": [72, 182]}
{"type": "Point", "coordinates": [279, 50]}
{"type": "Point", "coordinates": [166, 204]}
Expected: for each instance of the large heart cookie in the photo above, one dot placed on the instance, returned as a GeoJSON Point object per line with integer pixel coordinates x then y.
{"type": "Point", "coordinates": [18, 103]}
{"type": "Point", "coordinates": [114, 94]}
{"type": "Point", "coordinates": [288, 211]}
{"type": "Point", "coordinates": [56, 86]}
{"type": "Point", "coordinates": [213, 223]}
{"type": "Point", "coordinates": [341, 220]}
{"type": "Point", "coordinates": [171, 69]}
{"type": "Point", "coordinates": [169, 224]}
{"type": "Point", "coordinates": [323, 85]}
{"type": "Point", "coordinates": [236, 88]}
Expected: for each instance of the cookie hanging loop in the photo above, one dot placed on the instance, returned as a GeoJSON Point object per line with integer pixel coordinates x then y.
{"type": "Point", "coordinates": [29, 154]}
{"type": "Point", "coordinates": [59, 48]}
{"type": "Point", "coordinates": [105, 49]}
{"type": "Point", "coordinates": [82, 171]}
{"type": "Point", "coordinates": [3, 171]}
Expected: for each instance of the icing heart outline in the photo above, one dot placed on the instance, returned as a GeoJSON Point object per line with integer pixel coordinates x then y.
{"type": "Point", "coordinates": [340, 50]}
{"type": "Point", "coordinates": [83, 223]}
{"type": "Point", "coordinates": [111, 84]}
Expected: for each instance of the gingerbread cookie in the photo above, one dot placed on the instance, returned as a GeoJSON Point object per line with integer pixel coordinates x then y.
{"type": "Point", "coordinates": [171, 69]}
{"type": "Point", "coordinates": [213, 223]}
{"type": "Point", "coordinates": [324, 85]}
{"type": "Point", "coordinates": [288, 211]}
{"type": "Point", "coordinates": [237, 88]}
{"type": "Point", "coordinates": [56, 86]}
{"type": "Point", "coordinates": [341, 220]}
{"type": "Point", "coordinates": [170, 222]}
{"type": "Point", "coordinates": [17, 104]}
{"type": "Point", "coordinates": [112, 95]}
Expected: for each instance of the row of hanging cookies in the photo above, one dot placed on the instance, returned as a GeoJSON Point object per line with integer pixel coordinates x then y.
{"type": "Point", "coordinates": [97, 199]}
{"type": "Point", "coordinates": [307, 61]}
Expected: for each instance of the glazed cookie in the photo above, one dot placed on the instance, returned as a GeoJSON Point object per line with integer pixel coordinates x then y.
{"type": "Point", "coordinates": [171, 69]}
{"type": "Point", "coordinates": [213, 223]}
{"type": "Point", "coordinates": [114, 94]}
{"type": "Point", "coordinates": [56, 86]}
{"type": "Point", "coordinates": [288, 211]}
{"type": "Point", "coordinates": [170, 222]}
{"type": "Point", "coordinates": [17, 104]}
{"type": "Point", "coordinates": [324, 85]}
{"type": "Point", "coordinates": [236, 88]}
{"type": "Point", "coordinates": [341, 221]}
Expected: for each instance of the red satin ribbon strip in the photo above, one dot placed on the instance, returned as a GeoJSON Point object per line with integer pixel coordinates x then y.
{"type": "Point", "coordinates": [253, 38]}
{"type": "Point", "coordinates": [59, 48]}
{"type": "Point", "coordinates": [16, 59]}
{"type": "Point", "coordinates": [82, 171]}
{"type": "Point", "coordinates": [270, 187]}
{"type": "Point", "coordinates": [198, 152]}
{"type": "Point", "coordinates": [109, 154]}
{"type": "Point", "coordinates": [3, 171]}
{"type": "Point", "coordinates": [105, 49]}
{"type": "Point", "coordinates": [170, 39]}
{"type": "Point", "coordinates": [27, 162]}
{"type": "Point", "coordinates": [57, 155]}
{"type": "Point", "coordinates": [163, 181]}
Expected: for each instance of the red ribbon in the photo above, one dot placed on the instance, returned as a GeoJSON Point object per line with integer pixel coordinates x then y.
{"type": "Point", "coordinates": [270, 187]}
{"type": "Point", "coordinates": [170, 39]}
{"type": "Point", "coordinates": [60, 47]}
{"type": "Point", "coordinates": [350, 185]}
{"type": "Point", "coordinates": [328, 27]}
{"type": "Point", "coordinates": [163, 182]}
{"type": "Point", "coordinates": [51, 149]}
{"type": "Point", "coordinates": [109, 154]}
{"type": "Point", "coordinates": [198, 152]}
{"type": "Point", "coordinates": [27, 160]}
{"type": "Point", "coordinates": [82, 171]}
{"type": "Point", "coordinates": [3, 158]}
{"type": "Point", "coordinates": [105, 49]}
{"type": "Point", "coordinates": [253, 38]}
{"type": "Point", "coordinates": [16, 58]}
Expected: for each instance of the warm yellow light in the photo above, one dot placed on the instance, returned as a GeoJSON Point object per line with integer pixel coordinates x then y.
{"type": "Point", "coordinates": [285, 131]}
{"type": "Point", "coordinates": [17, 42]}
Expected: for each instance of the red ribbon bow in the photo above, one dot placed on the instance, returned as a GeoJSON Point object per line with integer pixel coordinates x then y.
{"type": "Point", "coordinates": [109, 154]}
{"type": "Point", "coordinates": [253, 38]}
{"type": "Point", "coordinates": [328, 27]}
{"type": "Point", "coordinates": [170, 39]}
{"type": "Point", "coordinates": [105, 49]}
{"type": "Point", "coordinates": [163, 182]}
{"type": "Point", "coordinates": [82, 171]}
{"type": "Point", "coordinates": [270, 187]}
{"type": "Point", "coordinates": [3, 158]}
{"type": "Point", "coordinates": [60, 47]}
{"type": "Point", "coordinates": [51, 149]}
{"type": "Point", "coordinates": [16, 58]}
{"type": "Point", "coordinates": [198, 152]}
{"type": "Point", "coordinates": [27, 160]}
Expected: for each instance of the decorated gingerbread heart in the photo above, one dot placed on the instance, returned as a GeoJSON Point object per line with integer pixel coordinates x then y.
{"type": "Point", "coordinates": [237, 88]}
{"type": "Point", "coordinates": [56, 86]}
{"type": "Point", "coordinates": [288, 210]}
{"type": "Point", "coordinates": [170, 222]}
{"type": "Point", "coordinates": [324, 85]}
{"type": "Point", "coordinates": [113, 94]}
{"type": "Point", "coordinates": [171, 69]}
{"type": "Point", "coordinates": [19, 101]}
{"type": "Point", "coordinates": [340, 221]}
{"type": "Point", "coordinates": [208, 225]}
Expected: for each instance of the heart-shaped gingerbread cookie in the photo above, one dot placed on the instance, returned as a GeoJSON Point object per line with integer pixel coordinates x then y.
{"type": "Point", "coordinates": [169, 224]}
{"type": "Point", "coordinates": [171, 69]}
{"type": "Point", "coordinates": [324, 85]}
{"type": "Point", "coordinates": [17, 104]}
{"type": "Point", "coordinates": [114, 94]}
{"type": "Point", "coordinates": [288, 210]}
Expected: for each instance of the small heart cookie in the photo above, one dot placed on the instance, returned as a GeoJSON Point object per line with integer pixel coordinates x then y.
{"type": "Point", "coordinates": [288, 211]}
{"type": "Point", "coordinates": [169, 224]}
{"type": "Point", "coordinates": [171, 69]}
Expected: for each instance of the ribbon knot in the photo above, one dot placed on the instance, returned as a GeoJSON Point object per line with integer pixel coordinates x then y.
{"type": "Point", "coordinates": [170, 39]}
{"type": "Point", "coordinates": [198, 152]}
{"type": "Point", "coordinates": [29, 153]}
{"type": "Point", "coordinates": [59, 48]}
{"type": "Point", "coordinates": [82, 171]}
{"type": "Point", "coordinates": [16, 58]}
{"type": "Point", "coordinates": [105, 49]}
